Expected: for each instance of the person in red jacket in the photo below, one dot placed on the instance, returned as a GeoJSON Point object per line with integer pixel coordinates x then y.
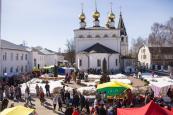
{"type": "Point", "coordinates": [42, 99]}
{"type": "Point", "coordinates": [76, 111]}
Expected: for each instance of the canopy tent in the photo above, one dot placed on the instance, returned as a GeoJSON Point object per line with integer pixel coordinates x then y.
{"type": "Point", "coordinates": [18, 110]}
{"type": "Point", "coordinates": [35, 69]}
{"type": "Point", "coordinates": [48, 67]}
{"type": "Point", "coordinates": [160, 86]}
{"type": "Point", "coordinates": [150, 109]}
{"type": "Point", "coordinates": [113, 88]}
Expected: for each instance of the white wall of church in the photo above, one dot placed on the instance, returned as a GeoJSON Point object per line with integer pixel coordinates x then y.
{"type": "Point", "coordinates": [84, 59]}
{"type": "Point", "coordinates": [97, 56]}
{"type": "Point", "coordinates": [87, 38]}
{"type": "Point", "coordinates": [94, 57]}
{"type": "Point", "coordinates": [112, 62]}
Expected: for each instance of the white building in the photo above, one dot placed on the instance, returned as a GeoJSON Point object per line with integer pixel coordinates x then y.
{"type": "Point", "coordinates": [45, 57]}
{"type": "Point", "coordinates": [95, 44]}
{"type": "Point", "coordinates": [14, 59]}
{"type": "Point", "coordinates": [155, 57]}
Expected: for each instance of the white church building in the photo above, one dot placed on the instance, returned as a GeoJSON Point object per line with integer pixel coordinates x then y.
{"type": "Point", "coordinates": [97, 43]}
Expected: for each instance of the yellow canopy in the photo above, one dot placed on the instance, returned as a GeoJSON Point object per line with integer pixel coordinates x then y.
{"type": "Point", "coordinates": [113, 88]}
{"type": "Point", "coordinates": [48, 67]}
{"type": "Point", "coordinates": [113, 84]}
{"type": "Point", "coordinates": [17, 110]}
{"type": "Point", "coordinates": [35, 69]}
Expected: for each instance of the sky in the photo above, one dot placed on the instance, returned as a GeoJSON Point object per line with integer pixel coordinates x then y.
{"type": "Point", "coordinates": [49, 23]}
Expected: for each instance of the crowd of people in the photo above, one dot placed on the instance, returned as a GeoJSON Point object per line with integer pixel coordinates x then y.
{"type": "Point", "coordinates": [75, 103]}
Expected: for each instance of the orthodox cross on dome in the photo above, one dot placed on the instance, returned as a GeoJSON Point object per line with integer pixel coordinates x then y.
{"type": "Point", "coordinates": [95, 5]}
{"type": "Point", "coordinates": [111, 17]}
{"type": "Point", "coordinates": [82, 18]}
{"type": "Point", "coordinates": [82, 15]}
{"type": "Point", "coordinates": [111, 6]}
{"type": "Point", "coordinates": [82, 7]}
{"type": "Point", "coordinates": [96, 14]}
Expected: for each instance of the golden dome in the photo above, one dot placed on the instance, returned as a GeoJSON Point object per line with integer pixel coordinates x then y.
{"type": "Point", "coordinates": [111, 16]}
{"type": "Point", "coordinates": [96, 14]}
{"type": "Point", "coordinates": [82, 16]}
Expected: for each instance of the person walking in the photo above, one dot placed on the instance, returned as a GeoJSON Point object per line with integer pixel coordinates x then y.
{"type": "Point", "coordinates": [62, 92]}
{"type": "Point", "coordinates": [1, 93]}
{"type": "Point", "coordinates": [60, 103]}
{"type": "Point", "coordinates": [76, 111]}
{"type": "Point", "coordinates": [12, 92]}
{"type": "Point", "coordinates": [102, 110]}
{"type": "Point", "coordinates": [67, 98]}
{"type": "Point", "coordinates": [20, 92]}
{"type": "Point", "coordinates": [69, 111]}
{"type": "Point", "coordinates": [87, 106]}
{"type": "Point", "coordinates": [55, 101]}
{"type": "Point", "coordinates": [42, 99]}
{"type": "Point", "coordinates": [74, 76]}
{"type": "Point", "coordinates": [17, 93]}
{"type": "Point", "coordinates": [27, 96]}
{"type": "Point", "coordinates": [37, 89]}
{"type": "Point", "coordinates": [4, 103]}
{"type": "Point", "coordinates": [76, 100]}
{"type": "Point", "coordinates": [82, 101]}
{"type": "Point", "coordinates": [6, 89]}
{"type": "Point", "coordinates": [47, 87]}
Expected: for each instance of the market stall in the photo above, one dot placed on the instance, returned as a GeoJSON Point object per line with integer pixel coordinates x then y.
{"type": "Point", "coordinates": [150, 109]}
{"type": "Point", "coordinates": [18, 110]}
{"type": "Point", "coordinates": [161, 86]}
{"type": "Point", "coordinates": [113, 88]}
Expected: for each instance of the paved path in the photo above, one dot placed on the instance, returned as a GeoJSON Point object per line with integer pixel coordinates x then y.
{"type": "Point", "coordinates": [42, 110]}
{"type": "Point", "coordinates": [47, 109]}
{"type": "Point", "coordinates": [136, 82]}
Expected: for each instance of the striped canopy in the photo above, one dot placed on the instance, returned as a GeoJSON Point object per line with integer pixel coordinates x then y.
{"type": "Point", "coordinates": [113, 88]}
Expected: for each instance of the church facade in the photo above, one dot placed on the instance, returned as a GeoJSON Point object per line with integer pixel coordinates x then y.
{"type": "Point", "coordinates": [98, 45]}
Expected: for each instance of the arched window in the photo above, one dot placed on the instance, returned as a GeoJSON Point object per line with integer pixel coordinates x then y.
{"type": "Point", "coordinates": [22, 69]}
{"type": "Point", "coordinates": [105, 36]}
{"type": "Point", "coordinates": [97, 36]}
{"type": "Point", "coordinates": [81, 36]}
{"type": "Point", "coordinates": [122, 39]}
{"type": "Point", "coordinates": [17, 69]}
{"type": "Point", "coordinates": [11, 69]}
{"type": "Point", "coordinates": [113, 35]}
{"type": "Point", "coordinates": [89, 36]}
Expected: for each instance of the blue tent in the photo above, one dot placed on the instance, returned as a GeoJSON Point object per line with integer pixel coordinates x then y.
{"type": "Point", "coordinates": [61, 71]}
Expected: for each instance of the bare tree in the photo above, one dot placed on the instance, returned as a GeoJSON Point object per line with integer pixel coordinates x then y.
{"type": "Point", "coordinates": [157, 35]}
{"type": "Point", "coordinates": [169, 31]}
{"type": "Point", "coordinates": [161, 34]}
{"type": "Point", "coordinates": [70, 51]}
{"type": "Point", "coordinates": [136, 44]}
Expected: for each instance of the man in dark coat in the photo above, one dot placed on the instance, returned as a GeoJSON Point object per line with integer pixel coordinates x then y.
{"type": "Point", "coordinates": [102, 110]}
{"type": "Point", "coordinates": [47, 87]}
{"type": "Point", "coordinates": [82, 101]}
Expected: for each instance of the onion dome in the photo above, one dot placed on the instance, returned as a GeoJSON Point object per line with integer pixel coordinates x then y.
{"type": "Point", "coordinates": [111, 16]}
{"type": "Point", "coordinates": [82, 17]}
{"type": "Point", "coordinates": [96, 15]}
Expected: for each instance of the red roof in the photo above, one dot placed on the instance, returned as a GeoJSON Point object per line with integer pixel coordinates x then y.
{"type": "Point", "coordinates": [149, 109]}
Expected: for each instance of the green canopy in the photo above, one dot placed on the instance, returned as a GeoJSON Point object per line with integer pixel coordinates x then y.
{"type": "Point", "coordinates": [113, 88]}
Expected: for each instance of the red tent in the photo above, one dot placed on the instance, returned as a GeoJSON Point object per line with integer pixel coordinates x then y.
{"type": "Point", "coordinates": [150, 109]}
